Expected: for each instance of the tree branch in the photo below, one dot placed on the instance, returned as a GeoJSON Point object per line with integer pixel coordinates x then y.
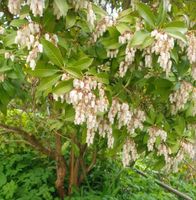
{"type": "Point", "coordinates": [31, 139]}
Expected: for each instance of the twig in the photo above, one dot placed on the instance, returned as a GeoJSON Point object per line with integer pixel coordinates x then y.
{"type": "Point", "coordinates": [165, 186]}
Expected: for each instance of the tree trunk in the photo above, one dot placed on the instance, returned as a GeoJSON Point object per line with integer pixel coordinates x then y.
{"type": "Point", "coordinates": [61, 168]}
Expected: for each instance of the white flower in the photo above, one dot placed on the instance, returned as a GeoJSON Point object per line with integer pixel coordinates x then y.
{"type": "Point", "coordinates": [130, 54]}
{"type": "Point", "coordinates": [162, 46]}
{"type": "Point", "coordinates": [125, 37]}
{"type": "Point", "coordinates": [32, 64]}
{"type": "Point", "coordinates": [14, 6]}
{"type": "Point", "coordinates": [112, 53]}
{"type": "Point", "coordinates": [37, 6]}
{"type": "Point", "coordinates": [101, 27]}
{"type": "Point", "coordinates": [91, 17]}
{"type": "Point", "coordinates": [155, 132]}
{"type": "Point", "coordinates": [129, 152]}
{"type": "Point", "coordinates": [2, 30]}
{"type": "Point", "coordinates": [180, 97]}
{"type": "Point", "coordinates": [123, 68]}
{"type": "Point", "coordinates": [9, 55]}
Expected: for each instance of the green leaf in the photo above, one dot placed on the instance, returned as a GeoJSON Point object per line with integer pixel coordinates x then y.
{"type": "Point", "coordinates": [48, 82]}
{"type": "Point", "coordinates": [9, 39]}
{"type": "Point", "coordinates": [177, 35]}
{"type": "Point", "coordinates": [179, 125]}
{"type": "Point", "coordinates": [74, 72]}
{"type": "Point", "coordinates": [3, 179]}
{"type": "Point", "coordinates": [162, 12]}
{"type": "Point", "coordinates": [80, 63]}
{"type": "Point", "coordinates": [53, 53]}
{"type": "Point", "coordinates": [64, 147]}
{"type": "Point", "coordinates": [9, 88]}
{"type": "Point", "coordinates": [110, 43]}
{"type": "Point", "coordinates": [63, 87]}
{"type": "Point", "coordinates": [182, 66]}
{"type": "Point", "coordinates": [4, 97]}
{"type": "Point", "coordinates": [5, 68]}
{"type": "Point", "coordinates": [146, 14]}
{"type": "Point", "coordinates": [62, 6]}
{"type": "Point", "coordinates": [147, 42]}
{"type": "Point", "coordinates": [176, 26]}
{"type": "Point", "coordinates": [102, 77]}
{"type": "Point", "coordinates": [122, 27]}
{"type": "Point", "coordinates": [69, 114]}
{"type": "Point", "coordinates": [139, 37]}
{"type": "Point", "coordinates": [18, 22]}
{"type": "Point", "coordinates": [71, 19]}
{"type": "Point", "coordinates": [75, 149]}
{"type": "Point", "coordinates": [43, 70]}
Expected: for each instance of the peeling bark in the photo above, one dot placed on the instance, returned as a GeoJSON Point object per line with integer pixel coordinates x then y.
{"type": "Point", "coordinates": [61, 168]}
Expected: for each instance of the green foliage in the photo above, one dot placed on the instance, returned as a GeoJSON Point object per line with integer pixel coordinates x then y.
{"type": "Point", "coordinates": [26, 176]}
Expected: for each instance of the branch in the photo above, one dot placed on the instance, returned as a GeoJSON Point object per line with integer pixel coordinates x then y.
{"type": "Point", "coordinates": [86, 170]}
{"type": "Point", "coordinates": [31, 139]}
{"type": "Point", "coordinates": [165, 186]}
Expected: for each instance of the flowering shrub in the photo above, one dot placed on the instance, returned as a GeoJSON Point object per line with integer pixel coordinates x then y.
{"type": "Point", "coordinates": [129, 79]}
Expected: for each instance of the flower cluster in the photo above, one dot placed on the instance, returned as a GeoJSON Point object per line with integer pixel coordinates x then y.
{"type": "Point", "coordinates": [9, 55]}
{"type": "Point", "coordinates": [87, 105]}
{"type": "Point", "coordinates": [155, 132]}
{"type": "Point", "coordinates": [191, 52]}
{"type": "Point", "coordinates": [186, 148]}
{"type": "Point", "coordinates": [180, 97]}
{"type": "Point", "coordinates": [193, 97]}
{"type": "Point", "coordinates": [165, 151]}
{"type": "Point", "coordinates": [133, 119]}
{"type": "Point", "coordinates": [101, 27]}
{"type": "Point", "coordinates": [162, 46]}
{"type": "Point", "coordinates": [129, 58]}
{"type": "Point", "coordinates": [52, 38]}
{"type": "Point", "coordinates": [2, 77]}
{"type": "Point", "coordinates": [2, 30]}
{"type": "Point", "coordinates": [105, 129]}
{"type": "Point", "coordinates": [79, 4]}
{"type": "Point", "coordinates": [28, 36]}
{"type": "Point", "coordinates": [123, 68]}
{"type": "Point", "coordinates": [168, 5]}
{"type": "Point", "coordinates": [36, 6]}
{"type": "Point", "coordinates": [129, 152]}
{"type": "Point", "coordinates": [136, 122]}
{"type": "Point", "coordinates": [148, 57]}
{"type": "Point", "coordinates": [14, 6]}
{"type": "Point", "coordinates": [125, 37]}
{"type": "Point", "coordinates": [112, 53]}
{"type": "Point", "coordinates": [91, 17]}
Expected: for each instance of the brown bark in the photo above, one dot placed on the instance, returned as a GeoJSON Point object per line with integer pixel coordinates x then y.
{"type": "Point", "coordinates": [71, 169]}
{"type": "Point", "coordinates": [61, 168]}
{"type": "Point", "coordinates": [87, 169]}
{"type": "Point", "coordinates": [31, 139]}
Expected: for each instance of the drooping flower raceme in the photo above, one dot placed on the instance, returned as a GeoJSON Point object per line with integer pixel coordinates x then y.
{"type": "Point", "coordinates": [180, 97]}
{"type": "Point", "coordinates": [87, 104]}
{"type": "Point", "coordinates": [91, 17]}
{"type": "Point", "coordinates": [37, 6]}
{"type": "Point", "coordinates": [129, 152]}
{"type": "Point", "coordinates": [191, 52]}
{"type": "Point", "coordinates": [2, 30]}
{"type": "Point", "coordinates": [101, 27]}
{"type": "Point", "coordinates": [155, 132]}
{"type": "Point", "coordinates": [14, 6]}
{"type": "Point", "coordinates": [162, 47]}
{"type": "Point", "coordinates": [28, 36]}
